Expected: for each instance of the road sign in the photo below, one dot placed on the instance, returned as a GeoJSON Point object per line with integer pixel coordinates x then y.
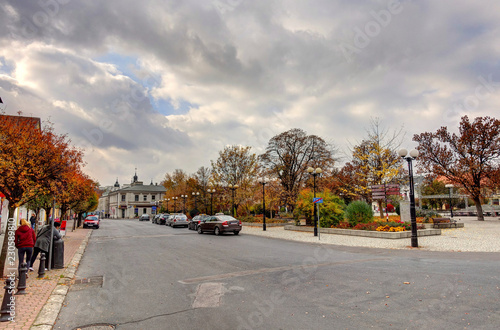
{"type": "Point", "coordinates": [153, 208]}
{"type": "Point", "coordinates": [318, 200]}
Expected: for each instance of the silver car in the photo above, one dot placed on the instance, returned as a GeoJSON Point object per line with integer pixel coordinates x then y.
{"type": "Point", "coordinates": [176, 220]}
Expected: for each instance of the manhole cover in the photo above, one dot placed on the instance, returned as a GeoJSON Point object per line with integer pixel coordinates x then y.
{"type": "Point", "coordinates": [99, 326]}
{"type": "Point", "coordinates": [87, 282]}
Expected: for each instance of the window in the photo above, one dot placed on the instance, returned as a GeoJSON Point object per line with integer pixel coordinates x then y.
{"type": "Point", "coordinates": [136, 198]}
{"type": "Point", "coordinates": [145, 197]}
{"type": "Point", "coordinates": [144, 210]}
{"type": "Point", "coordinates": [153, 197]}
{"type": "Point", "coordinates": [123, 198]}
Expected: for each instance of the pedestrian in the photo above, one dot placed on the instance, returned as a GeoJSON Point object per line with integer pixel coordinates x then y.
{"type": "Point", "coordinates": [42, 243]}
{"type": "Point", "coordinates": [33, 221]}
{"type": "Point", "coordinates": [24, 241]}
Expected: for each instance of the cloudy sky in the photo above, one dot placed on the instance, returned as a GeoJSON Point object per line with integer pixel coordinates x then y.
{"type": "Point", "coordinates": [160, 85]}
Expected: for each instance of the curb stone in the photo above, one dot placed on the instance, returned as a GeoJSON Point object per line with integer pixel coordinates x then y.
{"type": "Point", "coordinates": [48, 315]}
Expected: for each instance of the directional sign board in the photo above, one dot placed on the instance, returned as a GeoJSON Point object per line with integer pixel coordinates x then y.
{"type": "Point", "coordinates": [318, 200]}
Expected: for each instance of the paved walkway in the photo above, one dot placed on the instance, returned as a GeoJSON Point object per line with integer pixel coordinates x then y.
{"type": "Point", "coordinates": [476, 236]}
{"type": "Point", "coordinates": [39, 290]}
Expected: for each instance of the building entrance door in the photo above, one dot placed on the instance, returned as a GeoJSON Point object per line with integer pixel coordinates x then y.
{"type": "Point", "coordinates": [123, 213]}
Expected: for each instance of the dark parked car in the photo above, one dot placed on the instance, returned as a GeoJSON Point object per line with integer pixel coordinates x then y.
{"type": "Point", "coordinates": [193, 223]}
{"type": "Point", "coordinates": [155, 218]}
{"type": "Point", "coordinates": [91, 221]}
{"type": "Point", "coordinates": [220, 224]}
{"type": "Point", "coordinates": [162, 219]}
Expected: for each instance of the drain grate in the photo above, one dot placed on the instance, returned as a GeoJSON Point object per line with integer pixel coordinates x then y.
{"type": "Point", "coordinates": [87, 282]}
{"type": "Point", "coordinates": [97, 326]}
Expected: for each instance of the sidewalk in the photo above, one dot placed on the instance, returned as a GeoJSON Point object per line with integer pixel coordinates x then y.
{"type": "Point", "coordinates": [39, 290]}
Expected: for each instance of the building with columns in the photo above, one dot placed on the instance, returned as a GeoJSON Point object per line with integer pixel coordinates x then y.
{"type": "Point", "coordinates": [131, 200]}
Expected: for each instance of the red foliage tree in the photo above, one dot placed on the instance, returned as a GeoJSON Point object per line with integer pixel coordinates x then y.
{"type": "Point", "coordinates": [469, 159]}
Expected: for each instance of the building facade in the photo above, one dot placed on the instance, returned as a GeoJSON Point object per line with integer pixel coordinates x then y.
{"type": "Point", "coordinates": [131, 200]}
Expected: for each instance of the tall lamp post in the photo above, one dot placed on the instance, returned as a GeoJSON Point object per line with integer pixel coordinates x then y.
{"type": "Point", "coordinates": [403, 153]}
{"type": "Point", "coordinates": [211, 192]}
{"type": "Point", "coordinates": [263, 182]}
{"type": "Point", "coordinates": [233, 188]}
{"type": "Point", "coordinates": [450, 187]}
{"type": "Point", "coordinates": [314, 173]}
{"type": "Point", "coordinates": [175, 203]}
{"type": "Point", "coordinates": [167, 200]}
{"type": "Point", "coordinates": [195, 195]}
{"type": "Point", "coordinates": [184, 207]}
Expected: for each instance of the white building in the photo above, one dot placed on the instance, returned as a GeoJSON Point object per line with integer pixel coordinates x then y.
{"type": "Point", "coordinates": [131, 200]}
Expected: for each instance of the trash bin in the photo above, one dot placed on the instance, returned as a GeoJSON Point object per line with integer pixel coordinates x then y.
{"type": "Point", "coordinates": [58, 255]}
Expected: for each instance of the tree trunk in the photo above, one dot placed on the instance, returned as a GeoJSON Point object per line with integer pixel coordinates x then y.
{"type": "Point", "coordinates": [9, 232]}
{"type": "Point", "coordinates": [479, 208]}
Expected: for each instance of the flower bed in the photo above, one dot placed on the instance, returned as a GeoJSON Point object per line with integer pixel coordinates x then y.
{"type": "Point", "coordinates": [392, 226]}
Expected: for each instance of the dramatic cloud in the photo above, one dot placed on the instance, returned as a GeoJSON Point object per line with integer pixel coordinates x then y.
{"type": "Point", "coordinates": [163, 85]}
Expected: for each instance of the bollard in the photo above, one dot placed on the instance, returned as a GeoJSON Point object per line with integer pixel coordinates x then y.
{"type": "Point", "coordinates": [21, 285]}
{"type": "Point", "coordinates": [41, 268]}
{"type": "Point", "coordinates": [10, 284]}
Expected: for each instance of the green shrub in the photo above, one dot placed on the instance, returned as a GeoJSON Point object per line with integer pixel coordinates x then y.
{"type": "Point", "coordinates": [330, 211]}
{"type": "Point", "coordinates": [358, 211]}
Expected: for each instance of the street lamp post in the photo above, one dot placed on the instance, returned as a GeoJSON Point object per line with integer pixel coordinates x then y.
{"type": "Point", "coordinates": [450, 187]}
{"type": "Point", "coordinates": [263, 182]}
{"type": "Point", "coordinates": [211, 192]}
{"type": "Point", "coordinates": [184, 207]}
{"type": "Point", "coordinates": [195, 194]}
{"type": "Point", "coordinates": [175, 203]}
{"type": "Point", "coordinates": [409, 157]}
{"type": "Point", "coordinates": [233, 188]}
{"type": "Point", "coordinates": [314, 173]}
{"type": "Point", "coordinates": [167, 200]}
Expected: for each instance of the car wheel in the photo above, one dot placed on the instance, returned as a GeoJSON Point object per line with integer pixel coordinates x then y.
{"type": "Point", "coordinates": [97, 227]}
{"type": "Point", "coordinates": [217, 231]}
{"type": "Point", "coordinates": [236, 232]}
{"type": "Point", "coordinates": [200, 231]}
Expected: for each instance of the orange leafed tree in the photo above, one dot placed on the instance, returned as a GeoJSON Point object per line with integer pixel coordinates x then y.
{"type": "Point", "coordinates": [32, 161]}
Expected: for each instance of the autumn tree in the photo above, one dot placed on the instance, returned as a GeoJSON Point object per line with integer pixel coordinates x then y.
{"type": "Point", "coordinates": [32, 161]}
{"type": "Point", "coordinates": [430, 187]}
{"type": "Point", "coordinates": [469, 159]}
{"type": "Point", "coordinates": [203, 176]}
{"type": "Point", "coordinates": [374, 162]}
{"type": "Point", "coordinates": [236, 165]}
{"type": "Point", "coordinates": [289, 154]}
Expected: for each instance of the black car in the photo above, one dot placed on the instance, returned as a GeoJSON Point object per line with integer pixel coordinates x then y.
{"type": "Point", "coordinates": [220, 224]}
{"type": "Point", "coordinates": [162, 219]}
{"type": "Point", "coordinates": [194, 222]}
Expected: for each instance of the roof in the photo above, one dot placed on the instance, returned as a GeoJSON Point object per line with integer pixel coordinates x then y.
{"type": "Point", "coordinates": [142, 188]}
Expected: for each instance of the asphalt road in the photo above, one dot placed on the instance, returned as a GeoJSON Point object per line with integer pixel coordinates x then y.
{"type": "Point", "coordinates": [138, 275]}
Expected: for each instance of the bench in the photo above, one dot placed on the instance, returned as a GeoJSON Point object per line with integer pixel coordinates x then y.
{"type": "Point", "coordinates": [438, 221]}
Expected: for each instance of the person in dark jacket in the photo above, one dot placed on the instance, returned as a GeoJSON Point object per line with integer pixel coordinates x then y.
{"type": "Point", "coordinates": [42, 243]}
{"type": "Point", "coordinates": [33, 221]}
{"type": "Point", "coordinates": [24, 241]}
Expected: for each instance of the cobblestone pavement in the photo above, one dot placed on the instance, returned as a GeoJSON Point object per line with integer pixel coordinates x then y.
{"type": "Point", "coordinates": [27, 307]}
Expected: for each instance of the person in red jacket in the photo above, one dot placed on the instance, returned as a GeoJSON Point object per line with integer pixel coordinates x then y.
{"type": "Point", "coordinates": [24, 240]}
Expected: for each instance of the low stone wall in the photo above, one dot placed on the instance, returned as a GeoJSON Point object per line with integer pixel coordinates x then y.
{"type": "Point", "coordinates": [366, 233]}
{"type": "Point", "coordinates": [257, 224]}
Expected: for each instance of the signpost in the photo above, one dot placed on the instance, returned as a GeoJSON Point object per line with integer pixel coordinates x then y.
{"type": "Point", "coordinates": [381, 191]}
